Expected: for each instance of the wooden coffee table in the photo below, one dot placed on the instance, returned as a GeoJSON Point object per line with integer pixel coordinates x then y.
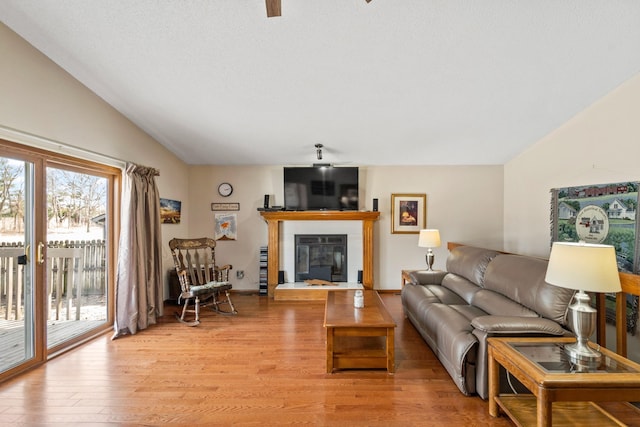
{"type": "Point", "coordinates": [541, 365]}
{"type": "Point", "coordinates": [358, 337]}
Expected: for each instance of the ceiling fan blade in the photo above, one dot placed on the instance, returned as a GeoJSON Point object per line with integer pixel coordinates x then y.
{"type": "Point", "coordinates": [273, 8]}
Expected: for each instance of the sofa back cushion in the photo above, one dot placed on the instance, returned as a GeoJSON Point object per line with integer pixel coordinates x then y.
{"type": "Point", "coordinates": [470, 262]}
{"type": "Point", "coordinates": [521, 279]}
{"type": "Point", "coordinates": [462, 287]}
{"type": "Point", "coordinates": [495, 303]}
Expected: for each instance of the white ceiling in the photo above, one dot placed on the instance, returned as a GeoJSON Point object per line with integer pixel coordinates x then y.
{"type": "Point", "coordinates": [383, 83]}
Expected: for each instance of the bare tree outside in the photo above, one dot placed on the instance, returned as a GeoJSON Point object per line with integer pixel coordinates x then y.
{"type": "Point", "coordinates": [11, 196]}
{"type": "Point", "coordinates": [75, 203]}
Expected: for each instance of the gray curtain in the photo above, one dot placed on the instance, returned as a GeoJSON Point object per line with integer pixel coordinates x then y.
{"type": "Point", "coordinates": [139, 276]}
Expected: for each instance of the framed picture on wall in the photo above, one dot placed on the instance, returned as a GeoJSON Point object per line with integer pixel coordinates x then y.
{"type": "Point", "coordinates": [408, 213]}
{"type": "Point", "coordinates": [599, 213]}
{"type": "Point", "coordinates": [225, 226]}
{"type": "Point", "coordinates": [602, 214]}
{"type": "Point", "coordinates": [170, 211]}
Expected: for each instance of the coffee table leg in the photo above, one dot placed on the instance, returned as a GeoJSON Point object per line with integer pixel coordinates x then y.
{"type": "Point", "coordinates": [330, 350]}
{"type": "Point", "coordinates": [391, 352]}
{"type": "Point", "coordinates": [494, 383]}
{"type": "Point", "coordinates": [543, 409]}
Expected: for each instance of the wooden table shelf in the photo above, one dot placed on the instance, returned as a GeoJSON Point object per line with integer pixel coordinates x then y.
{"type": "Point", "coordinates": [564, 397]}
{"type": "Point", "coordinates": [522, 410]}
{"type": "Point", "coordinates": [360, 338]}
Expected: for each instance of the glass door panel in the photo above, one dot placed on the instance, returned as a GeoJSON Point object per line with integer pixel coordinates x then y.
{"type": "Point", "coordinates": [76, 275]}
{"type": "Point", "coordinates": [56, 230]}
{"type": "Point", "coordinates": [17, 331]}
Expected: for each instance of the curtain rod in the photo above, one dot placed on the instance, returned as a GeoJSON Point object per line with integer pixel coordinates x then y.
{"type": "Point", "coordinates": [37, 141]}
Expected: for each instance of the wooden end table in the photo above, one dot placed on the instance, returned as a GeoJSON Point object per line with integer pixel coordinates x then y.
{"type": "Point", "coordinates": [358, 337]}
{"type": "Point", "coordinates": [541, 365]}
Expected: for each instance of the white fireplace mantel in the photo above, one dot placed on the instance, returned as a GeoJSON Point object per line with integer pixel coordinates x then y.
{"type": "Point", "coordinates": [274, 218]}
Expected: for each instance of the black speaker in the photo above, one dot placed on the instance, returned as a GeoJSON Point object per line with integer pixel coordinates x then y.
{"type": "Point", "coordinates": [266, 201]}
{"type": "Point", "coordinates": [360, 271]}
{"type": "Point", "coordinates": [280, 275]}
{"type": "Point", "coordinates": [375, 205]}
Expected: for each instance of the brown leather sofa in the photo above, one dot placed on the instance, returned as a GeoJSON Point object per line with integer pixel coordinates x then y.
{"type": "Point", "coordinates": [483, 293]}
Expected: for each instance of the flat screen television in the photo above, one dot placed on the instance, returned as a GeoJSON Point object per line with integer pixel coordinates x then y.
{"type": "Point", "coordinates": [321, 188]}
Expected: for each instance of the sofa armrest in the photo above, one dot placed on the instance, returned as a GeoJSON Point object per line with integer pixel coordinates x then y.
{"type": "Point", "coordinates": [425, 277]}
{"type": "Point", "coordinates": [517, 325]}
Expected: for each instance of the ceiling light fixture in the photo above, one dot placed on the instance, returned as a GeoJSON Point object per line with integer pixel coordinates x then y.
{"type": "Point", "coordinates": [319, 151]}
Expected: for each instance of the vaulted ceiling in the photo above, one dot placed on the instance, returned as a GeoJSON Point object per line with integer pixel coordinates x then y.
{"type": "Point", "coordinates": [384, 82]}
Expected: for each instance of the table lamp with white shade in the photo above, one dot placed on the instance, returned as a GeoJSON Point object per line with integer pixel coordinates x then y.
{"type": "Point", "coordinates": [586, 268]}
{"type": "Point", "coordinates": [429, 238]}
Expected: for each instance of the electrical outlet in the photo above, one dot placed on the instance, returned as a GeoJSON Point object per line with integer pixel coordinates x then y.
{"type": "Point", "coordinates": [239, 274]}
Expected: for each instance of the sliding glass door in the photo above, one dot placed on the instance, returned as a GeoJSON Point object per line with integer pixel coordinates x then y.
{"type": "Point", "coordinates": [76, 257]}
{"type": "Point", "coordinates": [56, 253]}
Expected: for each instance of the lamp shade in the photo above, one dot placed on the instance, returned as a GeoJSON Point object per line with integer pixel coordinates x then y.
{"type": "Point", "coordinates": [429, 238]}
{"type": "Point", "coordinates": [583, 266]}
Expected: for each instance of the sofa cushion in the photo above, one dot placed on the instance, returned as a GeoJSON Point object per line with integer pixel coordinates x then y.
{"type": "Point", "coordinates": [494, 303]}
{"type": "Point", "coordinates": [468, 311]}
{"type": "Point", "coordinates": [470, 262]}
{"type": "Point", "coordinates": [521, 279]}
{"type": "Point", "coordinates": [445, 295]}
{"type": "Point", "coordinates": [460, 286]}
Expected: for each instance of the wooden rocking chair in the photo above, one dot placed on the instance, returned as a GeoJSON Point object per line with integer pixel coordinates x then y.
{"type": "Point", "coordinates": [202, 282]}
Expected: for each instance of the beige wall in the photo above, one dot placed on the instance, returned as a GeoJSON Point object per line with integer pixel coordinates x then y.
{"type": "Point", "coordinates": [39, 98]}
{"type": "Point", "coordinates": [464, 202]}
{"type": "Point", "coordinates": [600, 145]}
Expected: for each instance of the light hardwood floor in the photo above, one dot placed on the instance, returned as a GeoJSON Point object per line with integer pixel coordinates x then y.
{"type": "Point", "coordinates": [265, 366]}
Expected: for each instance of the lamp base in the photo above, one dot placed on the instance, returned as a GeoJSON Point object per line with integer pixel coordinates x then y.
{"type": "Point", "coordinates": [583, 319]}
{"type": "Point", "coordinates": [583, 356]}
{"type": "Point", "coordinates": [430, 259]}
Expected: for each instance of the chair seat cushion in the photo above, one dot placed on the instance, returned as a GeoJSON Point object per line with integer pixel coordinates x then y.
{"type": "Point", "coordinates": [218, 286]}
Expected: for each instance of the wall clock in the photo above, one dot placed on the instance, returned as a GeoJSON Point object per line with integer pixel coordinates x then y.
{"type": "Point", "coordinates": [225, 189]}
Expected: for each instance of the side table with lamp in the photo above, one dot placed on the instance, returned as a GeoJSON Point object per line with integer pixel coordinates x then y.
{"type": "Point", "coordinates": [584, 267]}
{"type": "Point", "coordinates": [428, 238]}
{"type": "Point", "coordinates": [570, 372]}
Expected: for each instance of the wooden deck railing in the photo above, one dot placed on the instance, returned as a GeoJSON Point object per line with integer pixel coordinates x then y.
{"type": "Point", "coordinates": [75, 269]}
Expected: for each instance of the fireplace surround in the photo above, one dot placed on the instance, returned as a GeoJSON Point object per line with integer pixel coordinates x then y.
{"type": "Point", "coordinates": [275, 219]}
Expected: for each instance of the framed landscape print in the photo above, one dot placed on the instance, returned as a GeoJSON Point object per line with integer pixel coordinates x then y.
{"type": "Point", "coordinates": [604, 214]}
{"type": "Point", "coordinates": [170, 211]}
{"type": "Point", "coordinates": [408, 213]}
